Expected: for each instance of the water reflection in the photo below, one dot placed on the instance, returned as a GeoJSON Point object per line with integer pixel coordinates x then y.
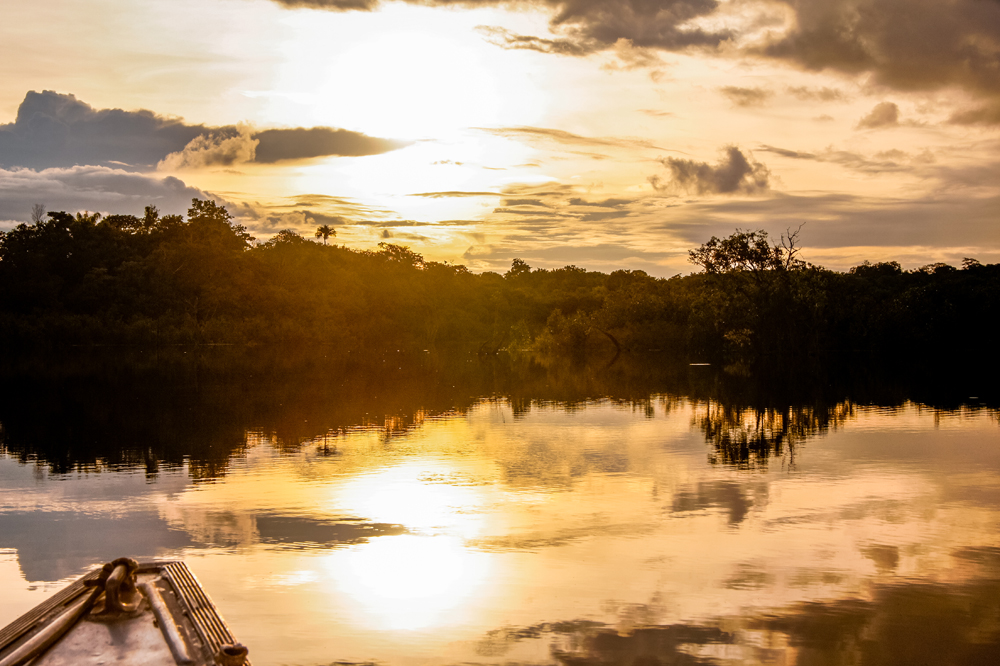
{"type": "Point", "coordinates": [899, 624]}
{"type": "Point", "coordinates": [520, 511]}
{"type": "Point", "coordinates": [750, 436]}
{"type": "Point", "coordinates": [410, 582]}
{"type": "Point", "coordinates": [200, 408]}
{"type": "Point", "coordinates": [903, 623]}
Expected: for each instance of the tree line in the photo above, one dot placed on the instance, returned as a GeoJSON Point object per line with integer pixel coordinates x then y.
{"type": "Point", "coordinates": [164, 279]}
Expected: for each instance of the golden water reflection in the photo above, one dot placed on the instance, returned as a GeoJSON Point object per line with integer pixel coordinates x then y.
{"type": "Point", "coordinates": [410, 582]}
{"type": "Point", "coordinates": [679, 532]}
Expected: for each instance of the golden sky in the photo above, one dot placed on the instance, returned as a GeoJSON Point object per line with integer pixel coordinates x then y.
{"type": "Point", "coordinates": [602, 133]}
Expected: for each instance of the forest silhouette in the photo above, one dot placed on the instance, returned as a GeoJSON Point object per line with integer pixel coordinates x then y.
{"type": "Point", "coordinates": [163, 279]}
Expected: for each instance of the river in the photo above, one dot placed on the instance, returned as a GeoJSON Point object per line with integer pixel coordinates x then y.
{"type": "Point", "coordinates": [417, 511]}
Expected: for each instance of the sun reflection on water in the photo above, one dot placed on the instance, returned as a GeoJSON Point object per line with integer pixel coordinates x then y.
{"type": "Point", "coordinates": [421, 579]}
{"type": "Point", "coordinates": [422, 497]}
{"type": "Point", "coordinates": [410, 582]}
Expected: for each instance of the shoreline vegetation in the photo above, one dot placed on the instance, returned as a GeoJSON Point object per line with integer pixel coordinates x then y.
{"type": "Point", "coordinates": [163, 280]}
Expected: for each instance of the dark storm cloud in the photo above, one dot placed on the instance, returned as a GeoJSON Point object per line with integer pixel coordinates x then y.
{"type": "Point", "coordinates": [735, 173]}
{"type": "Point", "coordinates": [746, 96]}
{"type": "Point", "coordinates": [885, 114]}
{"type": "Point", "coordinates": [58, 130]}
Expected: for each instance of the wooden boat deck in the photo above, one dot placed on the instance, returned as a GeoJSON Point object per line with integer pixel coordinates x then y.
{"type": "Point", "coordinates": [172, 621]}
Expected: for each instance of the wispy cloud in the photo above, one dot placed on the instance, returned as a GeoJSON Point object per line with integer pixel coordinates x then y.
{"type": "Point", "coordinates": [823, 94]}
{"type": "Point", "coordinates": [887, 161]}
{"type": "Point", "coordinates": [567, 138]}
{"type": "Point", "coordinates": [509, 40]}
{"type": "Point", "coordinates": [454, 194]}
{"type": "Point", "coordinates": [746, 96]}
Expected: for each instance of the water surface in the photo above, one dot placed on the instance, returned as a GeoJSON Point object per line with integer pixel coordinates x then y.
{"type": "Point", "coordinates": [441, 513]}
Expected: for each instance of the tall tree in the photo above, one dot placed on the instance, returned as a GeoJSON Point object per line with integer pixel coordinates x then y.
{"type": "Point", "coordinates": [325, 232]}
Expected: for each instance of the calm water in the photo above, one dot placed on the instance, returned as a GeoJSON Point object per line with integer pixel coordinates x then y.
{"type": "Point", "coordinates": [414, 511]}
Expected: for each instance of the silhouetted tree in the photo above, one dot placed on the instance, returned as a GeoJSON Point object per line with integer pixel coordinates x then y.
{"type": "Point", "coordinates": [325, 232]}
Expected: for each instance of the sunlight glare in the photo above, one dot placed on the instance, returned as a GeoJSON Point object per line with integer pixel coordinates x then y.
{"type": "Point", "coordinates": [406, 495]}
{"type": "Point", "coordinates": [403, 84]}
{"type": "Point", "coordinates": [411, 582]}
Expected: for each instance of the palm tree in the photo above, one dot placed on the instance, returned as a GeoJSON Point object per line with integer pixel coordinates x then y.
{"type": "Point", "coordinates": [325, 232]}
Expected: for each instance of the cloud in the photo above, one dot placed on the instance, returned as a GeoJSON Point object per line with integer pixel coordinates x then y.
{"type": "Point", "coordinates": [58, 130]}
{"type": "Point", "coordinates": [907, 45]}
{"type": "Point", "coordinates": [219, 148]}
{"type": "Point", "coordinates": [882, 162]}
{"type": "Point", "coordinates": [823, 94]}
{"type": "Point", "coordinates": [885, 114]}
{"type": "Point", "coordinates": [93, 188]}
{"type": "Point", "coordinates": [587, 25]}
{"type": "Point", "coordinates": [784, 152]}
{"type": "Point", "coordinates": [304, 143]}
{"type": "Point", "coordinates": [568, 138]}
{"type": "Point", "coordinates": [303, 221]}
{"type": "Point", "coordinates": [983, 115]}
{"type": "Point", "coordinates": [904, 44]}
{"type": "Point", "coordinates": [509, 40]}
{"type": "Point", "coordinates": [334, 5]}
{"type": "Point", "coordinates": [518, 211]}
{"type": "Point", "coordinates": [525, 202]}
{"type": "Point", "coordinates": [454, 194]}
{"type": "Point", "coordinates": [321, 208]}
{"type": "Point", "coordinates": [628, 57]}
{"type": "Point", "coordinates": [746, 96]}
{"type": "Point", "coordinates": [735, 173]}
{"type": "Point", "coordinates": [607, 203]}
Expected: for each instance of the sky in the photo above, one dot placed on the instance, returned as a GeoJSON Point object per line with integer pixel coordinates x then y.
{"type": "Point", "coordinates": [606, 134]}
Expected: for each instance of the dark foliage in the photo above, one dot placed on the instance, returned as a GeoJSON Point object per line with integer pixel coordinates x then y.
{"type": "Point", "coordinates": [166, 280]}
